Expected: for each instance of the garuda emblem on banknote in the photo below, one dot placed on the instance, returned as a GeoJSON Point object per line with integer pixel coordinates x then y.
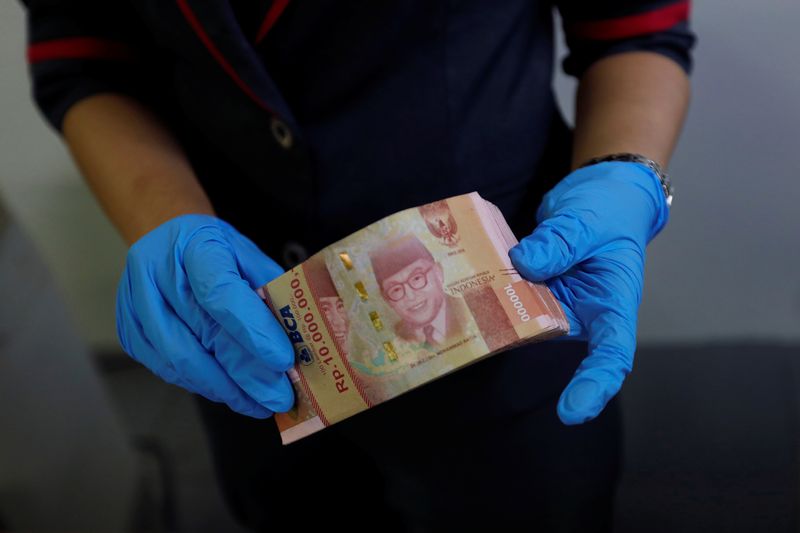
{"type": "Point", "coordinates": [440, 222]}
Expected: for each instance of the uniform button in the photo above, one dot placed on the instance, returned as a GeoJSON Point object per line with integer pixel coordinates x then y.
{"type": "Point", "coordinates": [294, 253]}
{"type": "Point", "coordinates": [281, 132]}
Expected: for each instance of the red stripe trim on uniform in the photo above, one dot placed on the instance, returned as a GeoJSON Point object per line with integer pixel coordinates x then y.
{"type": "Point", "coordinates": [631, 25]}
{"type": "Point", "coordinates": [275, 11]}
{"type": "Point", "coordinates": [209, 44]}
{"type": "Point", "coordinates": [79, 48]}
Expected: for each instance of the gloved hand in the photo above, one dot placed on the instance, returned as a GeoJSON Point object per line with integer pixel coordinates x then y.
{"type": "Point", "coordinates": [589, 247]}
{"type": "Point", "coordinates": [187, 309]}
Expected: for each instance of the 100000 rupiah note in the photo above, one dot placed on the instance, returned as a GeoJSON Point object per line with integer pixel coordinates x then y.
{"type": "Point", "coordinates": [402, 302]}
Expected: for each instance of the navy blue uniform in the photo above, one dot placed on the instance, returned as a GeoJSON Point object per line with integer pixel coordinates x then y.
{"type": "Point", "coordinates": [305, 121]}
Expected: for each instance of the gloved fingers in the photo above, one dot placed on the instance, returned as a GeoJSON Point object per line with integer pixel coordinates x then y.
{"type": "Point", "coordinates": [218, 287]}
{"type": "Point", "coordinates": [206, 376]}
{"type": "Point", "coordinates": [127, 321]}
{"type": "Point", "coordinates": [269, 388]}
{"type": "Point", "coordinates": [255, 266]}
{"type": "Point", "coordinates": [555, 246]}
{"type": "Point", "coordinates": [161, 341]}
{"type": "Point", "coordinates": [131, 336]}
{"type": "Point", "coordinates": [612, 342]}
{"type": "Point", "coordinates": [562, 293]}
{"type": "Point", "coordinates": [130, 331]}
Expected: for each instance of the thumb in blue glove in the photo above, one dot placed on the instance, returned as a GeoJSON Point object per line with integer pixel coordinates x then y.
{"type": "Point", "coordinates": [589, 247]}
{"type": "Point", "coordinates": [187, 310]}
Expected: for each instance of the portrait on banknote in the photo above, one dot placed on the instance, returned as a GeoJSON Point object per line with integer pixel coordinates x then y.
{"type": "Point", "coordinates": [411, 281]}
{"type": "Point", "coordinates": [331, 305]}
{"type": "Point", "coordinates": [405, 324]}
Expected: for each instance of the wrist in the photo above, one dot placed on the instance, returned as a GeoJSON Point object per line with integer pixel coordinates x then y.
{"type": "Point", "coordinates": [655, 169]}
{"type": "Point", "coordinates": [180, 227]}
{"type": "Point", "coordinates": [624, 195]}
{"type": "Point", "coordinates": [160, 203]}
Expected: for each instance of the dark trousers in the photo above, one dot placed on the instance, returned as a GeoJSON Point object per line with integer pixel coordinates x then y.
{"type": "Point", "coordinates": [482, 448]}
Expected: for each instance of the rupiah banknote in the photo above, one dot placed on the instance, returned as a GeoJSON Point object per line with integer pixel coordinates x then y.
{"type": "Point", "coordinates": [402, 302]}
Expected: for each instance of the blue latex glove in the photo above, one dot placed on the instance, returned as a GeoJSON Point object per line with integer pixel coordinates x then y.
{"type": "Point", "coordinates": [187, 310]}
{"type": "Point", "coordinates": [589, 247]}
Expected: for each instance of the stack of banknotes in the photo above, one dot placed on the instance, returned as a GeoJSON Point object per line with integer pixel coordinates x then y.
{"type": "Point", "coordinates": [401, 302]}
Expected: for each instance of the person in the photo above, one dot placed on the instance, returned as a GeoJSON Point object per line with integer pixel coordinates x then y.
{"type": "Point", "coordinates": [335, 315]}
{"type": "Point", "coordinates": [226, 140]}
{"type": "Point", "coordinates": [330, 303]}
{"type": "Point", "coordinates": [412, 283]}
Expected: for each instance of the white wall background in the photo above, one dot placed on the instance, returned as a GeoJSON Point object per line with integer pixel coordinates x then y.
{"type": "Point", "coordinates": [726, 268]}
{"type": "Point", "coordinates": [42, 189]}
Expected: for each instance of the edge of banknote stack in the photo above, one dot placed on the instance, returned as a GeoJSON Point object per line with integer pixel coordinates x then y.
{"type": "Point", "coordinates": [356, 313]}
